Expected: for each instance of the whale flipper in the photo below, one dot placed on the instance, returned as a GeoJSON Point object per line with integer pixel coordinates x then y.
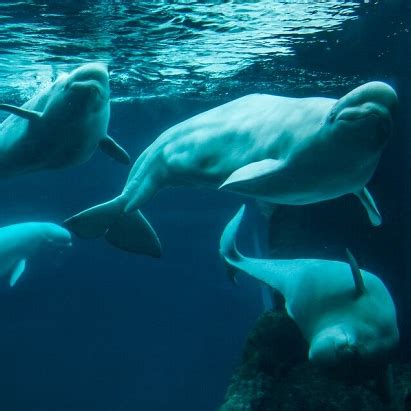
{"type": "Point", "coordinates": [114, 150]}
{"type": "Point", "coordinates": [130, 232]}
{"type": "Point", "coordinates": [17, 272]}
{"type": "Point", "coordinates": [21, 112]}
{"type": "Point", "coordinates": [248, 174]}
{"type": "Point", "coordinates": [369, 204]}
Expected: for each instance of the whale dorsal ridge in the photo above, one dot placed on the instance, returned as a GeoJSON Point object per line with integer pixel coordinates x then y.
{"type": "Point", "coordinates": [17, 271]}
{"type": "Point", "coordinates": [356, 273]}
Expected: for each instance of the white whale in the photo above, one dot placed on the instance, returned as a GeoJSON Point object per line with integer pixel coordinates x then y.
{"type": "Point", "coordinates": [278, 149]}
{"type": "Point", "coordinates": [19, 242]}
{"type": "Point", "coordinates": [346, 315]}
{"type": "Point", "coordinates": [61, 126]}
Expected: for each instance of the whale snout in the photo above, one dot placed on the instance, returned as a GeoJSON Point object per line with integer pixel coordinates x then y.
{"type": "Point", "coordinates": [91, 71]}
{"type": "Point", "coordinates": [369, 113]}
{"type": "Point", "coordinates": [374, 92]}
{"type": "Point", "coordinates": [378, 93]}
{"type": "Point", "coordinates": [366, 112]}
{"type": "Point", "coordinates": [88, 88]}
{"type": "Point", "coordinates": [89, 80]}
{"type": "Point", "coordinates": [374, 98]}
{"type": "Point", "coordinates": [333, 347]}
{"type": "Point", "coordinates": [57, 236]}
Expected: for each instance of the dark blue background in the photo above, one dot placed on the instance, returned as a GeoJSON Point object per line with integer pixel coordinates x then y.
{"type": "Point", "coordinates": [98, 328]}
{"type": "Point", "coordinates": [95, 328]}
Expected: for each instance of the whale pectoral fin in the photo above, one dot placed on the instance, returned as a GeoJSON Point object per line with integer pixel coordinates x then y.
{"type": "Point", "coordinates": [17, 272]}
{"type": "Point", "coordinates": [21, 112]}
{"type": "Point", "coordinates": [249, 174]}
{"type": "Point", "coordinates": [114, 150]}
{"type": "Point", "coordinates": [368, 202]}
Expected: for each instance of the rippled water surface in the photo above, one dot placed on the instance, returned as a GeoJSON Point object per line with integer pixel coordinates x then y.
{"type": "Point", "coordinates": [188, 47]}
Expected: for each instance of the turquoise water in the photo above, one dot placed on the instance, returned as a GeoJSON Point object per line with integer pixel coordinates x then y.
{"type": "Point", "coordinates": [187, 48]}
{"type": "Point", "coordinates": [94, 328]}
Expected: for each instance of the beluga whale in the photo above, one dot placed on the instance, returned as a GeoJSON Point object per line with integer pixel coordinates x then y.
{"type": "Point", "coordinates": [277, 149]}
{"type": "Point", "coordinates": [61, 126]}
{"type": "Point", "coordinates": [19, 242]}
{"type": "Point", "coordinates": [346, 315]}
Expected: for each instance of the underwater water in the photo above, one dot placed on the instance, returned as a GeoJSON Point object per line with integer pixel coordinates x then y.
{"type": "Point", "coordinates": [96, 328]}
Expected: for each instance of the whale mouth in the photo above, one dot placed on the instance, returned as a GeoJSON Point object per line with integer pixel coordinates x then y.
{"type": "Point", "coordinates": [370, 112]}
{"type": "Point", "coordinates": [88, 87]}
{"type": "Point", "coordinates": [60, 243]}
{"type": "Point", "coordinates": [66, 244]}
{"type": "Point", "coordinates": [351, 117]}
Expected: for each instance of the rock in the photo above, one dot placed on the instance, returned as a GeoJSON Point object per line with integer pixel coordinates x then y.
{"type": "Point", "coordinates": [276, 375]}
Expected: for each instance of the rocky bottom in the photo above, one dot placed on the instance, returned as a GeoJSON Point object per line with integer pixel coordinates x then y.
{"type": "Point", "coordinates": [275, 375]}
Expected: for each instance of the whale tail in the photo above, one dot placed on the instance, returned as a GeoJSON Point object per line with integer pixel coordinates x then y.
{"type": "Point", "coordinates": [228, 246]}
{"type": "Point", "coordinates": [273, 273]}
{"type": "Point", "coordinates": [130, 232]}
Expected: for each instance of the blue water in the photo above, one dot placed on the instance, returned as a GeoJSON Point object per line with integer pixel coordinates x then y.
{"type": "Point", "coordinates": [94, 328]}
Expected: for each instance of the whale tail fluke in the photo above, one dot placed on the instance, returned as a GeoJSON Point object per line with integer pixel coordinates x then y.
{"type": "Point", "coordinates": [94, 222]}
{"type": "Point", "coordinates": [228, 247]}
{"type": "Point", "coordinates": [130, 232]}
{"type": "Point", "coordinates": [133, 233]}
{"type": "Point", "coordinates": [270, 272]}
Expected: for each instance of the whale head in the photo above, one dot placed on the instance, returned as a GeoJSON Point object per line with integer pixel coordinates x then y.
{"type": "Point", "coordinates": [364, 116]}
{"type": "Point", "coordinates": [344, 347]}
{"type": "Point", "coordinates": [83, 91]}
{"type": "Point", "coordinates": [55, 236]}
{"type": "Point", "coordinates": [334, 346]}
{"type": "Point", "coordinates": [88, 84]}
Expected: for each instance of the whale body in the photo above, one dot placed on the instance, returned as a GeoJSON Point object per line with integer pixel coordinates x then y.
{"type": "Point", "coordinates": [281, 150]}
{"type": "Point", "coordinates": [18, 242]}
{"type": "Point", "coordinates": [61, 126]}
{"type": "Point", "coordinates": [346, 315]}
